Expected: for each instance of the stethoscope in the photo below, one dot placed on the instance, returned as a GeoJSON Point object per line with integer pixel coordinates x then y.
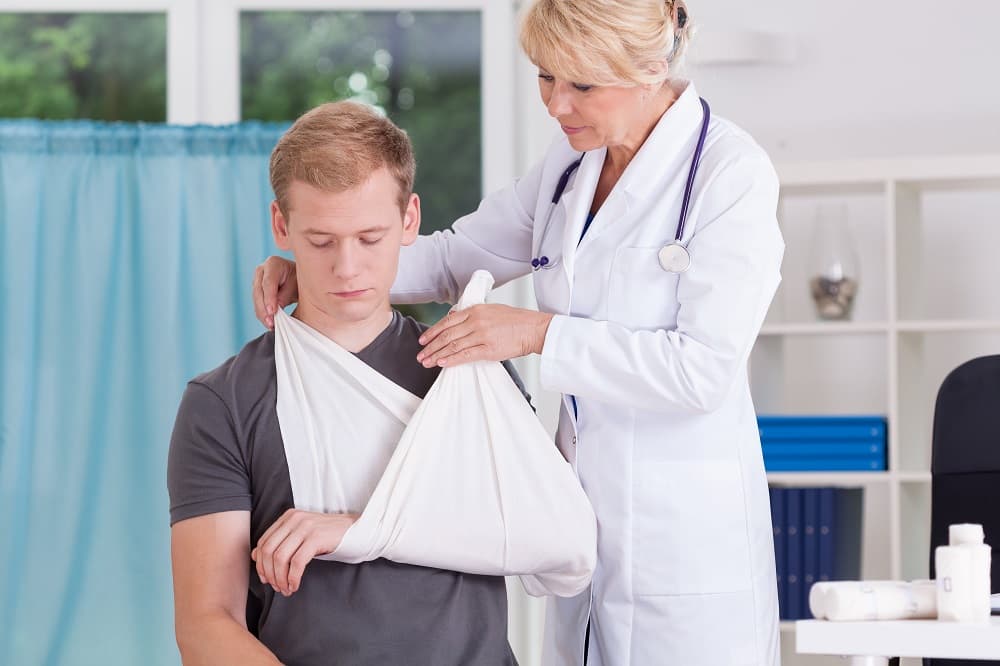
{"type": "Point", "coordinates": [673, 257]}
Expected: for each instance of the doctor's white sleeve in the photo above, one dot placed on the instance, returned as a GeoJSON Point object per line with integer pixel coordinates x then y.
{"type": "Point", "coordinates": [497, 237]}
{"type": "Point", "coordinates": [736, 253]}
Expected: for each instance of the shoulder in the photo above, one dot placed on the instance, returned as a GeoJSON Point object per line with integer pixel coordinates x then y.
{"type": "Point", "coordinates": [737, 185]}
{"type": "Point", "coordinates": [236, 389]}
{"type": "Point", "coordinates": [729, 149]}
{"type": "Point", "coordinates": [249, 370]}
{"type": "Point", "coordinates": [208, 468]}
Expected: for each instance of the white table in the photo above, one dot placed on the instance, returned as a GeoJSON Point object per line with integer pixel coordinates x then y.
{"type": "Point", "coordinates": [872, 643]}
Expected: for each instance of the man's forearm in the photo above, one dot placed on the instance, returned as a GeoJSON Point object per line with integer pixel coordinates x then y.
{"type": "Point", "coordinates": [219, 639]}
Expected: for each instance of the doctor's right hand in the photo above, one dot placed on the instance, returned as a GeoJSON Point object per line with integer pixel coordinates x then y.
{"type": "Point", "coordinates": [274, 286]}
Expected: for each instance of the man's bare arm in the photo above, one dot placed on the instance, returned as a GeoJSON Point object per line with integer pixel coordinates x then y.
{"type": "Point", "coordinates": [211, 566]}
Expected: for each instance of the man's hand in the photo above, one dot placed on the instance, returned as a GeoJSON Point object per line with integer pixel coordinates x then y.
{"type": "Point", "coordinates": [293, 541]}
{"type": "Point", "coordinates": [484, 333]}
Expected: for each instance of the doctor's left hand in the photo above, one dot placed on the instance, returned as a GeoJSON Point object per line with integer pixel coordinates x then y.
{"type": "Point", "coordinates": [488, 332]}
{"type": "Point", "coordinates": [293, 541]}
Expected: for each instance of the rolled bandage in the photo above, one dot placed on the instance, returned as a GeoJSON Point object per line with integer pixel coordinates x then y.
{"type": "Point", "coordinates": [873, 600]}
{"type": "Point", "coordinates": [817, 600]}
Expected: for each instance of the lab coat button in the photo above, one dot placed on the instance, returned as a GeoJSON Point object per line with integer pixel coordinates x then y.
{"type": "Point", "coordinates": [574, 440]}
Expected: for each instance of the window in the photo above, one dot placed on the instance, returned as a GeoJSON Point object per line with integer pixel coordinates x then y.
{"type": "Point", "coordinates": [98, 66]}
{"type": "Point", "coordinates": [420, 68]}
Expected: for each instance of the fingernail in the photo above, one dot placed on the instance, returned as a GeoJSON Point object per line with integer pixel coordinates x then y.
{"type": "Point", "coordinates": [270, 309]}
{"type": "Point", "coordinates": [422, 340]}
{"type": "Point", "coordinates": [420, 356]}
{"type": "Point", "coordinates": [442, 362]}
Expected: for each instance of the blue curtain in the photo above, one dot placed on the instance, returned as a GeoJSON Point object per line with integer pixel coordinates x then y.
{"type": "Point", "coordinates": [126, 255]}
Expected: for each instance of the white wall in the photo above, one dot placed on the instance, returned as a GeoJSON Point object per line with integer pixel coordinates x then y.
{"type": "Point", "coordinates": [870, 78]}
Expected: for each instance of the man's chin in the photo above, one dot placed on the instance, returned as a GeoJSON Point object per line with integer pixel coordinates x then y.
{"type": "Point", "coordinates": [354, 310]}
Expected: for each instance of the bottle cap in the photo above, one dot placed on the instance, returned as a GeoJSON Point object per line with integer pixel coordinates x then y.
{"type": "Point", "coordinates": [965, 533]}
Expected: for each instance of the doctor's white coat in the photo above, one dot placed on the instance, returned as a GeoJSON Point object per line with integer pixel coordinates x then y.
{"type": "Point", "coordinates": [663, 436]}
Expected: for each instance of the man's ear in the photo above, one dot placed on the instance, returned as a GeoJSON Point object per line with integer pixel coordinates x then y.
{"type": "Point", "coordinates": [279, 227]}
{"type": "Point", "coordinates": [411, 221]}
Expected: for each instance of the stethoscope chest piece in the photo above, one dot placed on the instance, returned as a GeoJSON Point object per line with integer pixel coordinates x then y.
{"type": "Point", "coordinates": [674, 258]}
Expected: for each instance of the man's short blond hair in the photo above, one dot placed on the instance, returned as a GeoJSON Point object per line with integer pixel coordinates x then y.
{"type": "Point", "coordinates": [336, 147]}
{"type": "Point", "coordinates": [605, 42]}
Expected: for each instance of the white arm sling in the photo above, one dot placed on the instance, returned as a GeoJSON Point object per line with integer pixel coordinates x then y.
{"type": "Point", "coordinates": [466, 480]}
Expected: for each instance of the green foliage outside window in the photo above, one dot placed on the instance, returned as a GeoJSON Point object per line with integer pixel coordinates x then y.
{"type": "Point", "coordinates": [421, 68]}
{"type": "Point", "coordinates": [95, 66]}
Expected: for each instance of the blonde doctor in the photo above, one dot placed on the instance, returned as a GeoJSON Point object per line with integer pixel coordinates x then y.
{"type": "Point", "coordinates": [649, 230]}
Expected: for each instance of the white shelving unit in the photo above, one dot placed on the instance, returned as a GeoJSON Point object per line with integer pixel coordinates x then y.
{"type": "Point", "coordinates": [926, 232]}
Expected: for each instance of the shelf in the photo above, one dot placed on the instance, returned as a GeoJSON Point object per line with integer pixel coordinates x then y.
{"type": "Point", "coordinates": [828, 478]}
{"type": "Point", "coordinates": [864, 327]}
{"type": "Point", "coordinates": [901, 638]}
{"type": "Point", "coordinates": [947, 325]}
{"type": "Point", "coordinates": [932, 170]}
{"type": "Point", "coordinates": [922, 229]}
{"type": "Point", "coordinates": [825, 328]}
{"type": "Point", "coordinates": [783, 371]}
{"type": "Point", "coordinates": [845, 478]}
{"type": "Point", "coordinates": [914, 477]}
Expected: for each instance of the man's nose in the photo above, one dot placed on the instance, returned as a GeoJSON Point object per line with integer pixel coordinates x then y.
{"type": "Point", "coordinates": [347, 263]}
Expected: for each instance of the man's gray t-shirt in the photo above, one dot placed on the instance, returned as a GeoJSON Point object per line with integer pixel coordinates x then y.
{"type": "Point", "coordinates": [226, 454]}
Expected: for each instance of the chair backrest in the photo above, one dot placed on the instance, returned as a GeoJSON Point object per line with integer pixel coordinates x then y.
{"type": "Point", "coordinates": [965, 461]}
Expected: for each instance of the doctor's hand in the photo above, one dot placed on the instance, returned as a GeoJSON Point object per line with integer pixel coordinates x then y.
{"type": "Point", "coordinates": [274, 286]}
{"type": "Point", "coordinates": [484, 333]}
{"type": "Point", "coordinates": [293, 541]}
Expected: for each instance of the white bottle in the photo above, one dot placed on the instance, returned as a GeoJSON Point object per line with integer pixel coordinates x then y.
{"type": "Point", "coordinates": [970, 535]}
{"type": "Point", "coordinates": [963, 575]}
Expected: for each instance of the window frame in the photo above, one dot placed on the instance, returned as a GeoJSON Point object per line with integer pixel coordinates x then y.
{"type": "Point", "coordinates": [203, 58]}
{"type": "Point", "coordinates": [182, 65]}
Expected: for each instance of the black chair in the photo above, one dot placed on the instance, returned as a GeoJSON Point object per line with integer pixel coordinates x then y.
{"type": "Point", "coordinates": [965, 462]}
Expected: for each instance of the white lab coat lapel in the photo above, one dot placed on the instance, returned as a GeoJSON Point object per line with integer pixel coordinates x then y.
{"type": "Point", "coordinates": [613, 211]}
{"type": "Point", "coordinates": [673, 139]}
{"type": "Point", "coordinates": [645, 176]}
{"type": "Point", "coordinates": [576, 201]}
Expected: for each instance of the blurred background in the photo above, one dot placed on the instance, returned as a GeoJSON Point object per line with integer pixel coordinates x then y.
{"type": "Point", "coordinates": [134, 137]}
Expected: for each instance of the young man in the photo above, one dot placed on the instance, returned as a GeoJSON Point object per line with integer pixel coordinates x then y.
{"type": "Point", "coordinates": [342, 177]}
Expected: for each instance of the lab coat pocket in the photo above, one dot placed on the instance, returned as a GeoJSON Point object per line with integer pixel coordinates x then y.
{"type": "Point", "coordinates": [641, 295]}
{"type": "Point", "coordinates": [691, 528]}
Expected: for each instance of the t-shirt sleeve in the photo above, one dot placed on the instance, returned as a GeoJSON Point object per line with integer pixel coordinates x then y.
{"type": "Point", "coordinates": [206, 471]}
{"type": "Point", "coordinates": [509, 367]}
